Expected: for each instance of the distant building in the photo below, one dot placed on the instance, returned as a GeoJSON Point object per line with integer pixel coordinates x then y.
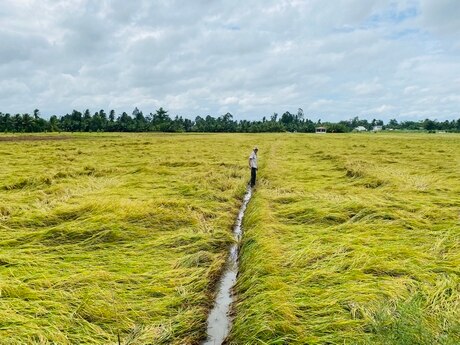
{"type": "Point", "coordinates": [360, 129]}
{"type": "Point", "coordinates": [377, 128]}
{"type": "Point", "coordinates": [320, 130]}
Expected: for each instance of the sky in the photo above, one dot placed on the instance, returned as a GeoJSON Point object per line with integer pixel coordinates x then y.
{"type": "Point", "coordinates": [334, 59]}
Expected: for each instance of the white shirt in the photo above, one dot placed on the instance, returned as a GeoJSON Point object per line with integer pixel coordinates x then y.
{"type": "Point", "coordinates": [253, 159]}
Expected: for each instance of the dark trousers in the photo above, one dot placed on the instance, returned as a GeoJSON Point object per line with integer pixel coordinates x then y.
{"type": "Point", "coordinates": [253, 176]}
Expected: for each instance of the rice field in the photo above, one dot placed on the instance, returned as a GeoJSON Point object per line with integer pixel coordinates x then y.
{"type": "Point", "coordinates": [353, 240]}
{"type": "Point", "coordinates": [107, 235]}
{"type": "Point", "coordinates": [349, 239]}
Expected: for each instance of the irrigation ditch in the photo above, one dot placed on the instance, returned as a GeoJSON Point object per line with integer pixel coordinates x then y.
{"type": "Point", "coordinates": [219, 320]}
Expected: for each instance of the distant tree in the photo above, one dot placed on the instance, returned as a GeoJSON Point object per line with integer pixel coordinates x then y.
{"type": "Point", "coordinates": [307, 126]}
{"type": "Point", "coordinates": [393, 124]}
{"type": "Point", "coordinates": [161, 115]}
{"type": "Point", "coordinates": [111, 125]}
{"type": "Point", "coordinates": [140, 123]}
{"type": "Point", "coordinates": [96, 122]}
{"type": "Point", "coordinates": [3, 122]}
{"type": "Point", "coordinates": [289, 121]}
{"type": "Point", "coordinates": [54, 124]}
{"type": "Point", "coordinates": [429, 125]}
{"type": "Point", "coordinates": [161, 121]}
{"type": "Point", "coordinates": [199, 125]}
{"type": "Point", "coordinates": [17, 123]}
{"type": "Point", "coordinates": [411, 125]}
{"type": "Point", "coordinates": [337, 128]}
{"type": "Point", "coordinates": [27, 124]}
{"type": "Point", "coordinates": [299, 114]}
{"type": "Point", "coordinates": [244, 126]}
{"type": "Point", "coordinates": [225, 123]}
{"type": "Point", "coordinates": [86, 121]}
{"type": "Point", "coordinates": [37, 125]}
{"type": "Point", "coordinates": [104, 121]}
{"type": "Point", "coordinates": [8, 123]}
{"type": "Point", "coordinates": [188, 125]}
{"type": "Point", "coordinates": [287, 118]}
{"type": "Point", "coordinates": [76, 121]}
{"type": "Point", "coordinates": [125, 122]}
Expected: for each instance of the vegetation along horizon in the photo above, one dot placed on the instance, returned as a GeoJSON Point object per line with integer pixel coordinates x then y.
{"type": "Point", "coordinates": [122, 237]}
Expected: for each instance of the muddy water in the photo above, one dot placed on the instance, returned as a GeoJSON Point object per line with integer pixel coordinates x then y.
{"type": "Point", "coordinates": [219, 320]}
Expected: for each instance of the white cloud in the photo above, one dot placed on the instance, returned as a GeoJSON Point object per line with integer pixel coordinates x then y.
{"type": "Point", "coordinates": [368, 88]}
{"type": "Point", "coordinates": [441, 16]}
{"type": "Point", "coordinates": [333, 59]}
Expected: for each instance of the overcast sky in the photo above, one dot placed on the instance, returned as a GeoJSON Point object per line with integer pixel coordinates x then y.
{"type": "Point", "coordinates": [334, 59]}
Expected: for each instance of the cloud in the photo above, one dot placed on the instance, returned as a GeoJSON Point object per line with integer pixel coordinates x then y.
{"type": "Point", "coordinates": [441, 16]}
{"type": "Point", "coordinates": [335, 60]}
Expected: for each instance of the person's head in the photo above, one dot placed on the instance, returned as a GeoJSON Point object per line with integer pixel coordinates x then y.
{"type": "Point", "coordinates": [256, 149]}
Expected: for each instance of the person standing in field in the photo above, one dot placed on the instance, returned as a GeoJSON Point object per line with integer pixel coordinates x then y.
{"type": "Point", "coordinates": [253, 165]}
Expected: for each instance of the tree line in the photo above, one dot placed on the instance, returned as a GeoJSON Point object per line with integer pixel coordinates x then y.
{"type": "Point", "coordinates": [161, 121]}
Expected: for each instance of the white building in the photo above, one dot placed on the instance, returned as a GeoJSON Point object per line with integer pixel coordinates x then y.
{"type": "Point", "coordinates": [360, 129]}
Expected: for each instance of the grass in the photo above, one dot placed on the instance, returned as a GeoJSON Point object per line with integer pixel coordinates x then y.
{"type": "Point", "coordinates": [349, 239]}
{"type": "Point", "coordinates": [103, 235]}
{"type": "Point", "coordinates": [353, 239]}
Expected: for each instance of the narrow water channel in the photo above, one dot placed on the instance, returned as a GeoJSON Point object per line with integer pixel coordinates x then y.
{"type": "Point", "coordinates": [219, 320]}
